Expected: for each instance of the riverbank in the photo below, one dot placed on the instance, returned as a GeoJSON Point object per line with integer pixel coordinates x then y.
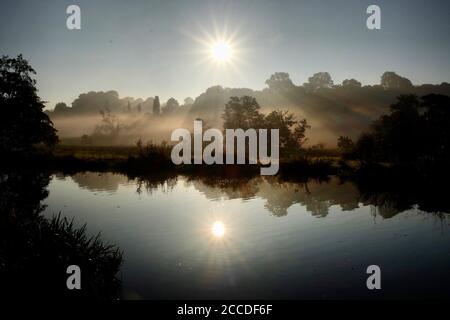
{"type": "Point", "coordinates": [155, 159]}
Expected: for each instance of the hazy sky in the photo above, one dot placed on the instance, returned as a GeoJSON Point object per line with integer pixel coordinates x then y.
{"type": "Point", "coordinates": [147, 48]}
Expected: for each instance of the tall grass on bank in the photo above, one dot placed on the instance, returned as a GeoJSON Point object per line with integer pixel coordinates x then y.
{"type": "Point", "coordinates": [149, 157]}
{"type": "Point", "coordinates": [35, 256]}
{"type": "Point", "coordinates": [35, 251]}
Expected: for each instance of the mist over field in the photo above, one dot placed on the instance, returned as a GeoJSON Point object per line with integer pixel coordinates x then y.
{"type": "Point", "coordinates": [332, 110]}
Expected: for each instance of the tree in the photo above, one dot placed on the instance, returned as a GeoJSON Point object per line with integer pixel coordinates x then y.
{"type": "Point", "coordinates": [110, 125]}
{"type": "Point", "coordinates": [86, 140]}
{"type": "Point", "coordinates": [416, 131]}
{"type": "Point", "coordinates": [242, 113]}
{"type": "Point", "coordinates": [23, 124]}
{"type": "Point", "coordinates": [279, 81]}
{"type": "Point", "coordinates": [399, 135]}
{"type": "Point", "coordinates": [392, 81]}
{"type": "Point", "coordinates": [365, 149]}
{"type": "Point", "coordinates": [139, 108]}
{"type": "Point", "coordinates": [318, 81]}
{"type": "Point", "coordinates": [353, 83]}
{"type": "Point", "coordinates": [188, 101]}
{"type": "Point", "coordinates": [292, 132]}
{"type": "Point", "coordinates": [435, 111]}
{"type": "Point", "coordinates": [156, 106]}
{"type": "Point", "coordinates": [171, 105]}
{"type": "Point", "coordinates": [345, 145]}
{"type": "Point", "coordinates": [61, 108]}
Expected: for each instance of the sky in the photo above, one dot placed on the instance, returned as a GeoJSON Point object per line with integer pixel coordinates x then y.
{"type": "Point", "coordinates": [147, 48]}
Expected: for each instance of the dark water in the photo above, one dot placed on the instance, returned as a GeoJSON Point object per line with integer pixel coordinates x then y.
{"type": "Point", "coordinates": [259, 238]}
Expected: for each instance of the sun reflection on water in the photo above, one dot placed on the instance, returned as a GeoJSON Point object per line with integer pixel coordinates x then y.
{"type": "Point", "coordinates": [218, 229]}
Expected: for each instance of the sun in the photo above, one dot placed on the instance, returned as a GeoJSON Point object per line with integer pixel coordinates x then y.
{"type": "Point", "coordinates": [218, 229]}
{"type": "Point", "coordinates": [221, 51]}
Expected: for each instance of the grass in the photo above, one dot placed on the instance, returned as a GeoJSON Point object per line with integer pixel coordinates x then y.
{"type": "Point", "coordinates": [90, 153]}
{"type": "Point", "coordinates": [35, 253]}
{"type": "Point", "coordinates": [147, 158]}
{"type": "Point", "coordinates": [153, 159]}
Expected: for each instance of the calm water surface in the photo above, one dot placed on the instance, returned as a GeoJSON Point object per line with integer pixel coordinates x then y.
{"type": "Point", "coordinates": [258, 238]}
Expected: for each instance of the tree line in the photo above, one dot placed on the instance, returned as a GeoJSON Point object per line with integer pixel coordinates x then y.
{"type": "Point", "coordinates": [416, 131]}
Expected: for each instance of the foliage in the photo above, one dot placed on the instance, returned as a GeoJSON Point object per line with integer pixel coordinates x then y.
{"type": "Point", "coordinates": [148, 157]}
{"type": "Point", "coordinates": [392, 81]}
{"type": "Point", "coordinates": [279, 81]}
{"type": "Point", "coordinates": [242, 113]}
{"type": "Point", "coordinates": [292, 132]}
{"type": "Point", "coordinates": [188, 101]}
{"type": "Point", "coordinates": [416, 131]}
{"type": "Point", "coordinates": [345, 146]}
{"type": "Point", "coordinates": [35, 252]}
{"type": "Point", "coordinates": [23, 124]}
{"type": "Point", "coordinates": [171, 106]}
{"type": "Point", "coordinates": [110, 125]}
{"type": "Point", "coordinates": [156, 106]}
{"type": "Point", "coordinates": [318, 81]}
{"type": "Point", "coordinates": [351, 83]}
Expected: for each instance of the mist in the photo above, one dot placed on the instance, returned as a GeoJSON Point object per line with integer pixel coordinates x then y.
{"type": "Point", "coordinates": [348, 109]}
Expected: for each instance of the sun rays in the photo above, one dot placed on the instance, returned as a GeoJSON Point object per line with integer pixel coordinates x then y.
{"type": "Point", "coordinates": [218, 51]}
{"type": "Point", "coordinates": [221, 51]}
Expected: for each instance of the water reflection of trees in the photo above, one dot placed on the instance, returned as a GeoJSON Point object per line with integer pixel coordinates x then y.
{"type": "Point", "coordinates": [35, 252]}
{"type": "Point", "coordinates": [395, 191]}
{"type": "Point", "coordinates": [389, 193]}
{"type": "Point", "coordinates": [99, 181]}
{"type": "Point", "coordinates": [317, 195]}
{"type": "Point", "coordinates": [156, 181]}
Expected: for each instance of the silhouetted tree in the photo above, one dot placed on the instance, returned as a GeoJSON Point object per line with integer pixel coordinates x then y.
{"type": "Point", "coordinates": [242, 113]}
{"type": "Point", "coordinates": [318, 81]}
{"type": "Point", "coordinates": [392, 81]}
{"type": "Point", "coordinates": [435, 110]}
{"type": "Point", "coordinates": [351, 83]}
{"type": "Point", "coordinates": [279, 81]}
{"type": "Point", "coordinates": [292, 131]}
{"type": "Point", "coordinates": [92, 102]}
{"type": "Point", "coordinates": [365, 149]}
{"type": "Point", "coordinates": [139, 108]}
{"type": "Point", "coordinates": [110, 125]}
{"type": "Point", "coordinates": [416, 131]}
{"type": "Point", "coordinates": [86, 140]}
{"type": "Point", "coordinates": [23, 124]}
{"type": "Point", "coordinates": [156, 106]}
{"type": "Point", "coordinates": [345, 144]}
{"type": "Point", "coordinates": [398, 136]}
{"type": "Point", "coordinates": [188, 101]}
{"type": "Point", "coordinates": [171, 105]}
{"type": "Point", "coordinates": [61, 107]}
